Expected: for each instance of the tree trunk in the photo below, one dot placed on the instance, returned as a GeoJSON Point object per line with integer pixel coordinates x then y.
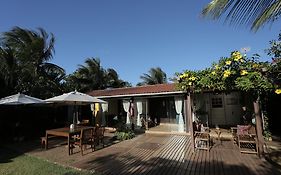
{"type": "Point", "coordinates": [259, 127]}
{"type": "Point", "coordinates": [189, 120]}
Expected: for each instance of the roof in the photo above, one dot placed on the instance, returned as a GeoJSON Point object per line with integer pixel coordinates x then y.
{"type": "Point", "coordinates": [159, 89]}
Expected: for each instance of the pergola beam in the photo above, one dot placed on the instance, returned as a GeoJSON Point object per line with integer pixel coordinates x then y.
{"type": "Point", "coordinates": [189, 122]}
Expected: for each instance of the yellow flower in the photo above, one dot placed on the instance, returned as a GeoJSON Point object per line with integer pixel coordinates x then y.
{"type": "Point", "coordinates": [226, 73]}
{"type": "Point", "coordinates": [190, 83]}
{"type": "Point", "coordinates": [278, 91]}
{"type": "Point", "coordinates": [192, 78]}
{"type": "Point", "coordinates": [184, 75]}
{"type": "Point", "coordinates": [217, 67]}
{"type": "Point", "coordinates": [228, 62]}
{"type": "Point", "coordinates": [236, 53]}
{"type": "Point", "coordinates": [213, 73]}
{"type": "Point", "coordinates": [243, 72]}
{"type": "Point", "coordinates": [255, 66]}
{"type": "Point", "coordinates": [236, 56]}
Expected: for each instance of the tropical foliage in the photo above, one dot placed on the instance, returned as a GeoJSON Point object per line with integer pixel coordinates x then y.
{"type": "Point", "coordinates": [93, 76]}
{"type": "Point", "coordinates": [249, 13]}
{"type": "Point", "coordinates": [235, 72]}
{"type": "Point", "coordinates": [25, 66]}
{"type": "Point", "coordinates": [275, 70]}
{"type": "Point", "coordinates": [154, 76]}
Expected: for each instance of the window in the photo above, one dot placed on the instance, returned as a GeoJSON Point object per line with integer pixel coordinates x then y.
{"type": "Point", "coordinates": [232, 101]}
{"type": "Point", "coordinates": [217, 102]}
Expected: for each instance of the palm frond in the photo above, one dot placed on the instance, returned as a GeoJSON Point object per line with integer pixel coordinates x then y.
{"type": "Point", "coordinates": [154, 76]}
{"type": "Point", "coordinates": [254, 13]}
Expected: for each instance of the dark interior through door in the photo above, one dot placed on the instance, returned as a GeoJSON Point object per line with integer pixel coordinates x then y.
{"type": "Point", "coordinates": [162, 110]}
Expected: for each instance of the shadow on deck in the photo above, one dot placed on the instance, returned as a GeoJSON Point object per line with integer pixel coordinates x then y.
{"type": "Point", "coordinates": [171, 154]}
{"type": "Point", "coordinates": [157, 154]}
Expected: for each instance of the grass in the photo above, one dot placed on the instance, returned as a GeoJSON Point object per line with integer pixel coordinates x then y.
{"type": "Point", "coordinates": [13, 164]}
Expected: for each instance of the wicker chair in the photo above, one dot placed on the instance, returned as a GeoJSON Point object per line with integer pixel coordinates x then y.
{"type": "Point", "coordinates": [247, 139]}
{"type": "Point", "coordinates": [202, 138]}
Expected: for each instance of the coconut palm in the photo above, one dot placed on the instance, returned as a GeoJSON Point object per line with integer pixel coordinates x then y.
{"type": "Point", "coordinates": [89, 76]}
{"type": "Point", "coordinates": [113, 80]}
{"type": "Point", "coordinates": [244, 12]}
{"type": "Point", "coordinates": [93, 76]}
{"type": "Point", "coordinates": [32, 51]}
{"type": "Point", "coordinates": [8, 71]}
{"type": "Point", "coordinates": [154, 76]}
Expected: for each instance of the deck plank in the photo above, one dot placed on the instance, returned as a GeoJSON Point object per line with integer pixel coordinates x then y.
{"type": "Point", "coordinates": [171, 162]}
{"type": "Point", "coordinates": [152, 154]}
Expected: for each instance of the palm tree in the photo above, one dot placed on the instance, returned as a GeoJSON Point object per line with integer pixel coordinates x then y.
{"type": "Point", "coordinates": [113, 80]}
{"type": "Point", "coordinates": [89, 76]}
{"type": "Point", "coordinates": [8, 71]}
{"type": "Point", "coordinates": [154, 76]}
{"type": "Point", "coordinates": [32, 51]}
{"type": "Point", "coordinates": [254, 13]}
{"type": "Point", "coordinates": [93, 76]}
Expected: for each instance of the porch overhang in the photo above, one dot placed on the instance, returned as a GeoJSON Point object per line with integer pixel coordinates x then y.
{"type": "Point", "coordinates": [142, 95]}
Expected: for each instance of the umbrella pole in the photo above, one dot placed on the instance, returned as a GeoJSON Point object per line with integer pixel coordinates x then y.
{"type": "Point", "coordinates": [74, 115]}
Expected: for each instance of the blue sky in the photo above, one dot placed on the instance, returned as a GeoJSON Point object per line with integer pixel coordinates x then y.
{"type": "Point", "coordinates": [132, 36]}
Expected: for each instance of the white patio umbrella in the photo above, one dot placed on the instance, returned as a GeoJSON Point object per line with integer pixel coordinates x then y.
{"type": "Point", "coordinates": [20, 99]}
{"type": "Point", "coordinates": [75, 98]}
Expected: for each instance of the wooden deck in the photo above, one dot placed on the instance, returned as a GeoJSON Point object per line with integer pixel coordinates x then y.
{"type": "Point", "coordinates": [150, 154]}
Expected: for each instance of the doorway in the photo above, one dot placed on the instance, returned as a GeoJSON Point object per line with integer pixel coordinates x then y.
{"type": "Point", "coordinates": [162, 111]}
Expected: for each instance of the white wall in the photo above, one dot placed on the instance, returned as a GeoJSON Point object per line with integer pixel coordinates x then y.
{"type": "Point", "coordinates": [228, 113]}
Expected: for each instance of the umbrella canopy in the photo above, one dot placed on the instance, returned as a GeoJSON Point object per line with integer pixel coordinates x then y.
{"type": "Point", "coordinates": [75, 97]}
{"type": "Point", "coordinates": [19, 99]}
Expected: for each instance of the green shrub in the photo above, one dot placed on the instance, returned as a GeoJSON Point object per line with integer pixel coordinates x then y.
{"type": "Point", "coordinates": [124, 132]}
{"type": "Point", "coordinates": [125, 135]}
{"type": "Point", "coordinates": [266, 132]}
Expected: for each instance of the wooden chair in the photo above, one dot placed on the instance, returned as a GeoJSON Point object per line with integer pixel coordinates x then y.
{"type": "Point", "coordinates": [247, 139]}
{"type": "Point", "coordinates": [85, 138]}
{"type": "Point", "coordinates": [202, 138]}
{"type": "Point", "coordinates": [44, 140]}
{"type": "Point", "coordinates": [99, 135]}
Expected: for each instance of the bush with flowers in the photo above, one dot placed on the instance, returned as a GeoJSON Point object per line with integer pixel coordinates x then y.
{"type": "Point", "coordinates": [236, 72]}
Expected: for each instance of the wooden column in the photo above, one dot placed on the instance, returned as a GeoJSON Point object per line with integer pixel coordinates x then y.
{"type": "Point", "coordinates": [259, 127]}
{"type": "Point", "coordinates": [189, 120]}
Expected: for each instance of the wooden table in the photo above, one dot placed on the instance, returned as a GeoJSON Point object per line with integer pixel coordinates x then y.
{"type": "Point", "coordinates": [64, 132]}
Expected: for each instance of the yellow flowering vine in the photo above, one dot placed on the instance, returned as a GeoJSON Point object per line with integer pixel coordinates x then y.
{"type": "Point", "coordinates": [237, 56]}
{"type": "Point", "coordinates": [226, 73]}
{"type": "Point", "coordinates": [278, 91]}
{"type": "Point", "coordinates": [217, 67]}
{"type": "Point", "coordinates": [243, 72]}
{"type": "Point", "coordinates": [228, 62]}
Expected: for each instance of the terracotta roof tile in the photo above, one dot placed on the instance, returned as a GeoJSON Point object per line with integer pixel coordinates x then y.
{"type": "Point", "coordinates": [148, 89]}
